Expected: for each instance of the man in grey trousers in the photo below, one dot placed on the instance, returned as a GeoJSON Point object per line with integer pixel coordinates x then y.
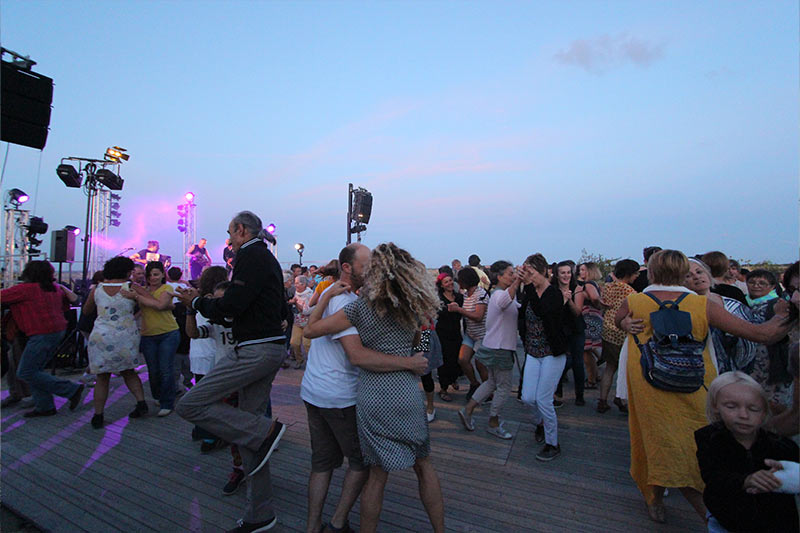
{"type": "Point", "coordinates": [255, 303]}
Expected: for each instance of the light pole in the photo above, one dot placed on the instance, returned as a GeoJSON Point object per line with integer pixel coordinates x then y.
{"type": "Point", "coordinates": [299, 247]}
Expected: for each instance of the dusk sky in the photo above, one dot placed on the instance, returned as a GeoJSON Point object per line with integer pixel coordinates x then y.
{"type": "Point", "coordinates": [497, 128]}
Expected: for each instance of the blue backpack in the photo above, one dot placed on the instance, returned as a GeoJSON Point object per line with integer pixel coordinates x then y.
{"type": "Point", "coordinates": [672, 359]}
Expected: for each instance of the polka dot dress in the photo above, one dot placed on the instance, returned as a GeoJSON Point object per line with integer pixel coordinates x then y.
{"type": "Point", "coordinates": [390, 407]}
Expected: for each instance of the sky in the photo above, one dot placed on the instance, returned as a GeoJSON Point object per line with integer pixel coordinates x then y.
{"type": "Point", "coordinates": [496, 128]}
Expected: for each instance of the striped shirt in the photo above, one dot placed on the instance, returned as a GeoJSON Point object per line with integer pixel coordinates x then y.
{"type": "Point", "coordinates": [476, 329]}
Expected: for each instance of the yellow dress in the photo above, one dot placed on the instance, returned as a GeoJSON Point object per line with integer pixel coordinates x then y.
{"type": "Point", "coordinates": [662, 423]}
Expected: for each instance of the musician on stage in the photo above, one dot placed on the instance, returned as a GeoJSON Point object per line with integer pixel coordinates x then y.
{"type": "Point", "coordinates": [142, 257]}
{"type": "Point", "coordinates": [228, 255]}
{"type": "Point", "coordinates": [199, 258]}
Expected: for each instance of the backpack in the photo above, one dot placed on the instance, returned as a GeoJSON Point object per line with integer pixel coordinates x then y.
{"type": "Point", "coordinates": [672, 360]}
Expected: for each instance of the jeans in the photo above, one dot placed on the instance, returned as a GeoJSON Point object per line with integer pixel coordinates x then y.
{"type": "Point", "coordinates": [541, 377]}
{"type": "Point", "coordinates": [38, 352]}
{"type": "Point", "coordinates": [159, 353]}
{"type": "Point", "coordinates": [713, 525]}
{"type": "Point", "coordinates": [575, 362]}
{"type": "Point", "coordinates": [499, 383]}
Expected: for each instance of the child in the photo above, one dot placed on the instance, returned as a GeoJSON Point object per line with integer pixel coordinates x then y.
{"type": "Point", "coordinates": [739, 460]}
{"type": "Point", "coordinates": [202, 330]}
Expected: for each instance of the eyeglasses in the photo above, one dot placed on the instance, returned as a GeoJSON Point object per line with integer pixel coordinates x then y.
{"type": "Point", "coordinates": [759, 283]}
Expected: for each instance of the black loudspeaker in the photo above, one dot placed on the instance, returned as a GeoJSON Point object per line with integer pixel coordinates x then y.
{"type": "Point", "coordinates": [362, 206]}
{"type": "Point", "coordinates": [26, 97]}
{"type": "Point", "coordinates": [62, 246]}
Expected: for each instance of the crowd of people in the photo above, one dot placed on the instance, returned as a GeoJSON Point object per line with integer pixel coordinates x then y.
{"type": "Point", "coordinates": [704, 353]}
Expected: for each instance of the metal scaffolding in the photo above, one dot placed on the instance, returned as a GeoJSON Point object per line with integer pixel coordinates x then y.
{"type": "Point", "coordinates": [189, 231]}
{"type": "Point", "coordinates": [15, 249]}
{"type": "Point", "coordinates": [99, 222]}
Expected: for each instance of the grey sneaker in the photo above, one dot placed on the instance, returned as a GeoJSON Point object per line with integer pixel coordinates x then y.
{"type": "Point", "coordinates": [466, 420]}
{"type": "Point", "coordinates": [549, 452]}
{"type": "Point", "coordinates": [499, 432]}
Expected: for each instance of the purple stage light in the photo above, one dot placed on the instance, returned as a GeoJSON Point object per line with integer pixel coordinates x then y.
{"type": "Point", "coordinates": [189, 196]}
{"type": "Point", "coordinates": [271, 229]}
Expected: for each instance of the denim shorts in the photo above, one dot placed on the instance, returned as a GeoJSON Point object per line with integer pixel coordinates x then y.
{"type": "Point", "coordinates": [466, 340]}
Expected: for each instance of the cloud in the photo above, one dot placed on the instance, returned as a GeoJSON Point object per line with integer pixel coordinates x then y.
{"type": "Point", "coordinates": [605, 52]}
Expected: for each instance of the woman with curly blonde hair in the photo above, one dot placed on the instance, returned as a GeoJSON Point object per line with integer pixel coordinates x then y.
{"type": "Point", "coordinates": [398, 297]}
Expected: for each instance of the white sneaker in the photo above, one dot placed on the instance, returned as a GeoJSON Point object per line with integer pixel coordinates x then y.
{"type": "Point", "coordinates": [499, 432]}
{"type": "Point", "coordinates": [164, 412]}
{"type": "Point", "coordinates": [430, 416]}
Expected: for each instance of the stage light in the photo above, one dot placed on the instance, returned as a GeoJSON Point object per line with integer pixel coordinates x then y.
{"type": "Point", "coordinates": [116, 197]}
{"type": "Point", "coordinates": [17, 197]}
{"type": "Point", "coordinates": [189, 196]}
{"type": "Point", "coordinates": [114, 205]}
{"type": "Point", "coordinates": [114, 223]}
{"type": "Point", "coordinates": [115, 214]}
{"type": "Point", "coordinates": [358, 228]}
{"type": "Point", "coordinates": [299, 247]}
{"type": "Point", "coordinates": [109, 179]}
{"type": "Point", "coordinates": [116, 154]}
{"type": "Point", "coordinates": [36, 226]}
{"type": "Point", "coordinates": [69, 175]}
{"type": "Point", "coordinates": [271, 229]}
{"type": "Point", "coordinates": [74, 229]}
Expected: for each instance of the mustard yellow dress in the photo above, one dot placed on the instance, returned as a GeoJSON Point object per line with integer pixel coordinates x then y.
{"type": "Point", "coordinates": [662, 423]}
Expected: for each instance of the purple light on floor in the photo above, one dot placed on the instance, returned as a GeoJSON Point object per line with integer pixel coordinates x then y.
{"type": "Point", "coordinates": [12, 427]}
{"type": "Point", "coordinates": [195, 516]}
{"type": "Point", "coordinates": [109, 441]}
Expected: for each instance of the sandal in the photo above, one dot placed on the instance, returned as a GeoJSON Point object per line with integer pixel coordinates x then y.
{"type": "Point", "coordinates": [623, 408]}
{"type": "Point", "coordinates": [445, 397]}
{"type": "Point", "coordinates": [602, 406]}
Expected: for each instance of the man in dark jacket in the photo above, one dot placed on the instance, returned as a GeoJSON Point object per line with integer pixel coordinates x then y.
{"type": "Point", "coordinates": [255, 302]}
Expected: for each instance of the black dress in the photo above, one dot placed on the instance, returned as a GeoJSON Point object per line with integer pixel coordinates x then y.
{"type": "Point", "coordinates": [448, 328]}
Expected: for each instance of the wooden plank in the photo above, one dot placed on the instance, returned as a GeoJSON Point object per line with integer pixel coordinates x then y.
{"type": "Point", "coordinates": [155, 478]}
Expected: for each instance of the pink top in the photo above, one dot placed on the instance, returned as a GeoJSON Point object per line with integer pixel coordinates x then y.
{"type": "Point", "coordinates": [501, 321]}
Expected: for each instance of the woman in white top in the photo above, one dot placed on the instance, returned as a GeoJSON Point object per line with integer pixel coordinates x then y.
{"type": "Point", "coordinates": [114, 341]}
{"type": "Point", "coordinates": [498, 349]}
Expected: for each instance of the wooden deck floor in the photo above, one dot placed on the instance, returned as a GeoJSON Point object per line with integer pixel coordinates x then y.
{"type": "Point", "coordinates": [147, 474]}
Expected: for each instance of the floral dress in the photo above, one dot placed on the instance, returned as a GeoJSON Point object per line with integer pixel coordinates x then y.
{"type": "Point", "coordinates": [593, 316]}
{"type": "Point", "coordinates": [114, 341]}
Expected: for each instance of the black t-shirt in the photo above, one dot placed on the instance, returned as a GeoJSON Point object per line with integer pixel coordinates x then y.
{"type": "Point", "coordinates": [640, 283]}
{"type": "Point", "coordinates": [197, 253]}
{"type": "Point", "coordinates": [729, 291]}
{"type": "Point", "coordinates": [149, 256]}
{"type": "Point", "coordinates": [227, 253]}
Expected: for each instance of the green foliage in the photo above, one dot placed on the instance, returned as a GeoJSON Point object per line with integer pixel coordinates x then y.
{"type": "Point", "coordinates": [605, 264]}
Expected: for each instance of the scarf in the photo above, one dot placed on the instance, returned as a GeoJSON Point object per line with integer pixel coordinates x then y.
{"type": "Point", "coordinates": [767, 297]}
